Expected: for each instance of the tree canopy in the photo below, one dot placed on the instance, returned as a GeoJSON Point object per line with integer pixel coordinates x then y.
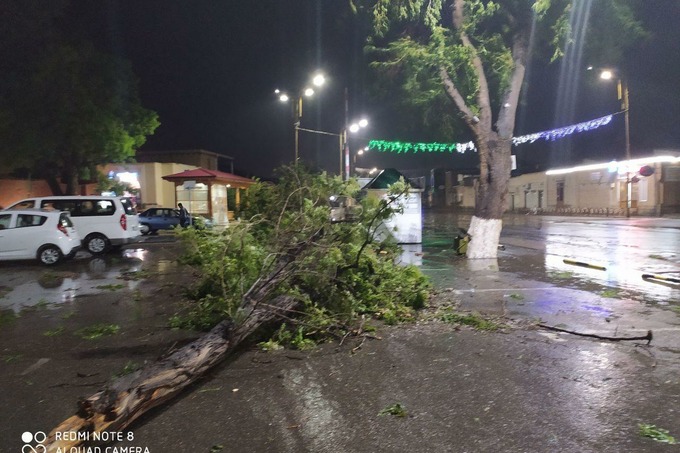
{"type": "Point", "coordinates": [65, 107]}
{"type": "Point", "coordinates": [469, 58]}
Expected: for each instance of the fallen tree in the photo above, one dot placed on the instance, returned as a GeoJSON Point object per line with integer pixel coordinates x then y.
{"type": "Point", "coordinates": [289, 255]}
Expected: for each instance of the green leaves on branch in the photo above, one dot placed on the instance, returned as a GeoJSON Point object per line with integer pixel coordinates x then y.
{"type": "Point", "coordinates": [347, 273]}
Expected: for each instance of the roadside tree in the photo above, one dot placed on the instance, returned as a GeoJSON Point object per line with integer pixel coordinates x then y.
{"type": "Point", "coordinates": [75, 109]}
{"type": "Point", "coordinates": [475, 53]}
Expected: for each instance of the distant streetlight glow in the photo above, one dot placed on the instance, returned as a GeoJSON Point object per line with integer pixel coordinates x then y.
{"type": "Point", "coordinates": [318, 80]}
{"type": "Point", "coordinates": [354, 127]}
{"type": "Point", "coordinates": [606, 74]}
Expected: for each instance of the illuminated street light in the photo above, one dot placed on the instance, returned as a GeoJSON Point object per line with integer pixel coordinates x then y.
{"type": "Point", "coordinates": [318, 80]}
{"type": "Point", "coordinates": [358, 153]}
{"type": "Point", "coordinates": [622, 90]}
{"type": "Point", "coordinates": [353, 128]}
{"type": "Point", "coordinates": [606, 75]}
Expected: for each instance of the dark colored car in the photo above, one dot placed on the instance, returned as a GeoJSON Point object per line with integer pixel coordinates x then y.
{"type": "Point", "coordinates": [154, 219]}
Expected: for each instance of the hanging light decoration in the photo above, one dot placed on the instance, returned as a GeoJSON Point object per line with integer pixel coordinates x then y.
{"type": "Point", "coordinates": [551, 135]}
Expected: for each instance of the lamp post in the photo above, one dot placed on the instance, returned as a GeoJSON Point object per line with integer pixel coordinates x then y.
{"type": "Point", "coordinates": [622, 90]}
{"type": "Point", "coordinates": [318, 80]}
{"type": "Point", "coordinates": [353, 128]}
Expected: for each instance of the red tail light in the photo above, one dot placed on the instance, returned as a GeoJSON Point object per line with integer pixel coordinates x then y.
{"type": "Point", "coordinates": [123, 222]}
{"type": "Point", "coordinates": [62, 228]}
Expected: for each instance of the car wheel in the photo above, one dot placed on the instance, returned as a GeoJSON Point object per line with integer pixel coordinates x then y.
{"type": "Point", "coordinates": [49, 254]}
{"type": "Point", "coordinates": [144, 229]}
{"type": "Point", "coordinates": [97, 244]}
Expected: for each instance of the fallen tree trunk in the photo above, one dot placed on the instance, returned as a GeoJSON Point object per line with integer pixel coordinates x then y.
{"type": "Point", "coordinates": [127, 398]}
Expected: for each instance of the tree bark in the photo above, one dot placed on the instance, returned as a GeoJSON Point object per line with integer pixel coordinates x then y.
{"type": "Point", "coordinates": [490, 199]}
{"type": "Point", "coordinates": [493, 141]}
{"type": "Point", "coordinates": [127, 398]}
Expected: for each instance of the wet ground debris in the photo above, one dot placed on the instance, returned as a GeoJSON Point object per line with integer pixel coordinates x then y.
{"type": "Point", "coordinates": [583, 264]}
{"type": "Point", "coordinates": [97, 330]}
{"type": "Point", "coordinates": [660, 277]}
{"type": "Point", "coordinates": [647, 337]}
{"type": "Point", "coordinates": [658, 434]}
{"type": "Point", "coordinates": [473, 320]}
{"type": "Point", "coordinates": [396, 410]}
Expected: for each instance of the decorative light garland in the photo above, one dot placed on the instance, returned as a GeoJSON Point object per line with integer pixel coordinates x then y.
{"type": "Point", "coordinates": [551, 135]}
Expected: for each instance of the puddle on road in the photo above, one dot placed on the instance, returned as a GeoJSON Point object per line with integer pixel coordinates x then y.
{"type": "Point", "coordinates": [26, 285]}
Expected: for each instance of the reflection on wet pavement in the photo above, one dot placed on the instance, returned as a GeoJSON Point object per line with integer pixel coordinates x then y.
{"type": "Point", "coordinates": [531, 281]}
{"type": "Point", "coordinates": [29, 285]}
{"type": "Point", "coordinates": [536, 247]}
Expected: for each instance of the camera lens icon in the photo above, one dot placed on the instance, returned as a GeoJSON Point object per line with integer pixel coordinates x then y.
{"type": "Point", "coordinates": [38, 437]}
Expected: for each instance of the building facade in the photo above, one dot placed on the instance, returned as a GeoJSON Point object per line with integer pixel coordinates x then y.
{"type": "Point", "coordinates": [647, 186]}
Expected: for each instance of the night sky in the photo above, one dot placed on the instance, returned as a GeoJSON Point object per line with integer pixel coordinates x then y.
{"type": "Point", "coordinates": [209, 68]}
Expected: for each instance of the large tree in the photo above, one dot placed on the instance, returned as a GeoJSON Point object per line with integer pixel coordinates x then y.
{"type": "Point", "coordinates": [78, 108]}
{"type": "Point", "coordinates": [475, 53]}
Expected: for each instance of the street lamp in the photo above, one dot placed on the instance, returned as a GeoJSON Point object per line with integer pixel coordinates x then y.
{"type": "Point", "coordinates": [622, 90]}
{"type": "Point", "coordinates": [353, 128]}
{"type": "Point", "coordinates": [358, 153]}
{"type": "Point", "coordinates": [317, 80]}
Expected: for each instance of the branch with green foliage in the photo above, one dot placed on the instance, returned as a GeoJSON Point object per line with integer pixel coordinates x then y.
{"type": "Point", "coordinates": [349, 271]}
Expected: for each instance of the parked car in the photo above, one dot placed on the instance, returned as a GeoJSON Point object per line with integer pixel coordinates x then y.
{"type": "Point", "coordinates": [154, 219]}
{"type": "Point", "coordinates": [48, 236]}
{"type": "Point", "coordinates": [103, 223]}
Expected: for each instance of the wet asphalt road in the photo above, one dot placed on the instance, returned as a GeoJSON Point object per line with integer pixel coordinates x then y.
{"type": "Point", "coordinates": [523, 390]}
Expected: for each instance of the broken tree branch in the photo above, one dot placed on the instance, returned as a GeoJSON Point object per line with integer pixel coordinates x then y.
{"type": "Point", "coordinates": [647, 337]}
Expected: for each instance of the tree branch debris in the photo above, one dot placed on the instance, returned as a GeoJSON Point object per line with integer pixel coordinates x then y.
{"type": "Point", "coordinates": [647, 337]}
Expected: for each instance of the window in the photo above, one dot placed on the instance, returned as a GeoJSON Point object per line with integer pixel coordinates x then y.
{"type": "Point", "coordinates": [128, 206]}
{"type": "Point", "coordinates": [105, 207]}
{"type": "Point", "coordinates": [60, 205]}
{"type": "Point", "coordinates": [560, 191]}
{"type": "Point", "coordinates": [28, 204]}
{"type": "Point", "coordinates": [4, 221]}
{"type": "Point", "coordinates": [29, 220]}
{"type": "Point", "coordinates": [643, 191]}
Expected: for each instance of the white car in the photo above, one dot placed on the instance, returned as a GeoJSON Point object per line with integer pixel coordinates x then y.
{"type": "Point", "coordinates": [48, 236]}
{"type": "Point", "coordinates": [104, 223]}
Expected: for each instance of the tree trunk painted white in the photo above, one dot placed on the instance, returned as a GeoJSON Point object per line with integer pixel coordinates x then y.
{"type": "Point", "coordinates": [486, 234]}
